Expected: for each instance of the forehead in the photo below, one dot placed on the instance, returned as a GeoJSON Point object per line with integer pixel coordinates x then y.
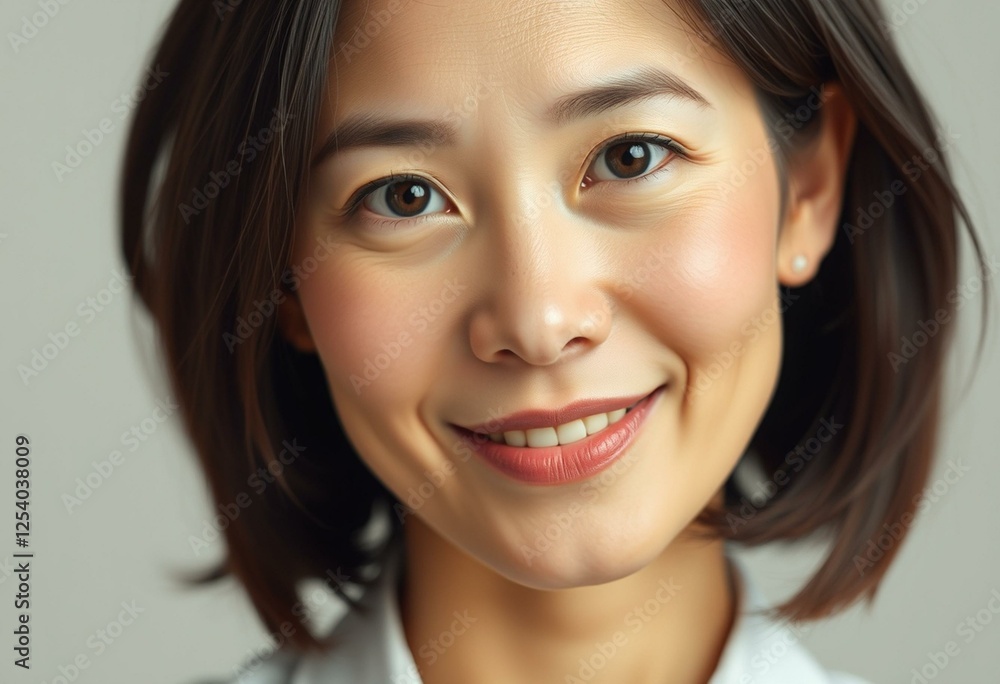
{"type": "Point", "coordinates": [388, 51]}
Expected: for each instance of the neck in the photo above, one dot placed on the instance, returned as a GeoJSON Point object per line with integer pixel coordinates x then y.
{"type": "Point", "coordinates": [668, 622]}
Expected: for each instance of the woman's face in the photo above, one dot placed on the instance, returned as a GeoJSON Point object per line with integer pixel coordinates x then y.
{"type": "Point", "coordinates": [542, 248]}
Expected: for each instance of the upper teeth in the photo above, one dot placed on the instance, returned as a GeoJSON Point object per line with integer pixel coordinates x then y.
{"type": "Point", "coordinates": [567, 433]}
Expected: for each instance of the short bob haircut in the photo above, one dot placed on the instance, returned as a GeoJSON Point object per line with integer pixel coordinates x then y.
{"type": "Point", "coordinates": [216, 162]}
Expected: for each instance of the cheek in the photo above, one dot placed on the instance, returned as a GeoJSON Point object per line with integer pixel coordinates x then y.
{"type": "Point", "coordinates": [378, 336]}
{"type": "Point", "coordinates": [707, 303]}
{"type": "Point", "coordinates": [714, 272]}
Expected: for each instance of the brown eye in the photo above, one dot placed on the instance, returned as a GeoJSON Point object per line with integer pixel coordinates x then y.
{"type": "Point", "coordinates": [628, 159]}
{"type": "Point", "coordinates": [407, 198]}
{"type": "Point", "coordinates": [404, 199]}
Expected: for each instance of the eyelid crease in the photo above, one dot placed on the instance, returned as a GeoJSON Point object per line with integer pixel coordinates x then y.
{"type": "Point", "coordinates": [664, 140]}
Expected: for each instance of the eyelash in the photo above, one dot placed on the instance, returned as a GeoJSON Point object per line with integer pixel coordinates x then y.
{"type": "Point", "coordinates": [660, 140]}
{"type": "Point", "coordinates": [356, 200]}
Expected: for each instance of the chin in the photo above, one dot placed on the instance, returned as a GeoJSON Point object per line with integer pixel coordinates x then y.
{"type": "Point", "coordinates": [577, 562]}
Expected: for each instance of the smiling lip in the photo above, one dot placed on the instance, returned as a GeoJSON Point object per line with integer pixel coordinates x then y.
{"type": "Point", "coordinates": [567, 462]}
{"type": "Point", "coordinates": [539, 418]}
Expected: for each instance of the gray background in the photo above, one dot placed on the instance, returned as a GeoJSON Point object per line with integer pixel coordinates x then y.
{"type": "Point", "coordinates": [58, 247]}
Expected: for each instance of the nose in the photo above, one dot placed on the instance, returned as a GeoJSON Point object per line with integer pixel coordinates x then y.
{"type": "Point", "coordinates": [544, 301]}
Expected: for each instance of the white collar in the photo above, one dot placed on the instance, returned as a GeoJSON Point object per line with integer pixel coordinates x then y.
{"type": "Point", "coordinates": [371, 647]}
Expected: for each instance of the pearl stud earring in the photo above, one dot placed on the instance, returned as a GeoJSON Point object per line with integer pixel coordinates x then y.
{"type": "Point", "coordinates": [799, 263]}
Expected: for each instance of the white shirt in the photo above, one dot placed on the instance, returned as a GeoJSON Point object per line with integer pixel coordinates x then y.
{"type": "Point", "coordinates": [372, 648]}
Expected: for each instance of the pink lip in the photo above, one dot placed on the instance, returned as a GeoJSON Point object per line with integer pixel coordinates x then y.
{"type": "Point", "coordinates": [539, 418]}
{"type": "Point", "coordinates": [564, 463]}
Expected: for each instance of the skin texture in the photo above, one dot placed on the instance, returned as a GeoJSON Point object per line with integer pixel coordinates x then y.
{"type": "Point", "coordinates": [534, 280]}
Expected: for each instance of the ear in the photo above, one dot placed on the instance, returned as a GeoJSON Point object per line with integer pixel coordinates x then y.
{"type": "Point", "coordinates": [816, 175]}
{"type": "Point", "coordinates": [292, 323]}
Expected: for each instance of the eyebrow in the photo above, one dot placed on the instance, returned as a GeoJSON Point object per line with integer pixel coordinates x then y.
{"type": "Point", "coordinates": [370, 129]}
{"type": "Point", "coordinates": [376, 130]}
{"type": "Point", "coordinates": [639, 85]}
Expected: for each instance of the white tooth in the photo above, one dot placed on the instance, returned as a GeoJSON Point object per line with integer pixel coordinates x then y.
{"type": "Point", "coordinates": [567, 433]}
{"type": "Point", "coordinates": [615, 416]}
{"type": "Point", "coordinates": [571, 432]}
{"type": "Point", "coordinates": [542, 437]}
{"type": "Point", "coordinates": [596, 422]}
{"type": "Point", "coordinates": [515, 438]}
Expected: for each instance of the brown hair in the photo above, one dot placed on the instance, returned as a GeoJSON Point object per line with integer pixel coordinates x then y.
{"type": "Point", "coordinates": [216, 164]}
